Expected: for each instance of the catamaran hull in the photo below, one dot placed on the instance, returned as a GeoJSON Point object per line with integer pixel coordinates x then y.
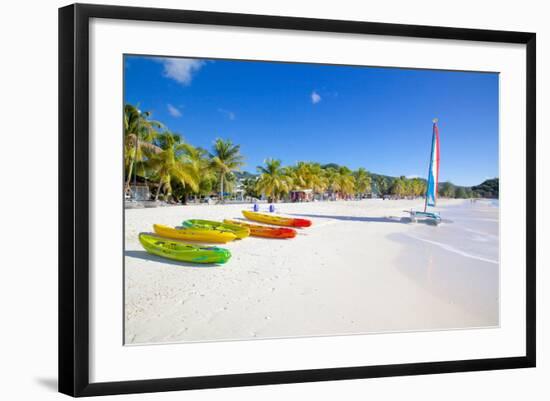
{"type": "Point", "coordinates": [433, 218]}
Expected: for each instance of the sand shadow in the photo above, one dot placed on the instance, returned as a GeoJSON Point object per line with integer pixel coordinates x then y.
{"type": "Point", "coordinates": [258, 238]}
{"type": "Point", "coordinates": [367, 219]}
{"type": "Point", "coordinates": [153, 258]}
{"type": "Point", "coordinates": [49, 383]}
{"type": "Point", "coordinates": [386, 219]}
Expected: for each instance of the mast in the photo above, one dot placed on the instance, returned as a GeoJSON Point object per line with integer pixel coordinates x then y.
{"type": "Point", "coordinates": [433, 172]}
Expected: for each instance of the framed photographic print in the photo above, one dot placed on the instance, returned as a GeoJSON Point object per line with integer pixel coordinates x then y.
{"type": "Point", "coordinates": [250, 199]}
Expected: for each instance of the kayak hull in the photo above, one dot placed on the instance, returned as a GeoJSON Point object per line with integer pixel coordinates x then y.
{"type": "Point", "coordinates": [183, 252]}
{"type": "Point", "coordinates": [276, 220]}
{"type": "Point", "coordinates": [190, 234]}
{"type": "Point", "coordinates": [265, 231]}
{"type": "Point", "coordinates": [239, 231]}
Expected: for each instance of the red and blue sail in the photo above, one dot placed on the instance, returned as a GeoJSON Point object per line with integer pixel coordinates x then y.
{"type": "Point", "coordinates": [433, 173]}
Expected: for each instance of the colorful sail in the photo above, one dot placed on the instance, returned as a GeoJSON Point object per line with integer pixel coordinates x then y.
{"type": "Point", "coordinates": [433, 173]}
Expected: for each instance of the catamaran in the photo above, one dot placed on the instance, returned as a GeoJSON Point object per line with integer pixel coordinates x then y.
{"type": "Point", "coordinates": [432, 185]}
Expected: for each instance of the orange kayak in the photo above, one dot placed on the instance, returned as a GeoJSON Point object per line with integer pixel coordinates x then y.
{"type": "Point", "coordinates": [257, 230]}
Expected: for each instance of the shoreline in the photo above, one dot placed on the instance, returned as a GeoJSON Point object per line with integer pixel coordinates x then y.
{"type": "Point", "coordinates": [352, 272]}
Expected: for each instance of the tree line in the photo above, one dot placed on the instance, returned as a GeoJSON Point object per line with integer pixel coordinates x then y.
{"type": "Point", "coordinates": [173, 170]}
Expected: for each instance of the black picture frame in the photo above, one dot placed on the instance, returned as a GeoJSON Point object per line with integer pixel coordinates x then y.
{"type": "Point", "coordinates": [74, 200]}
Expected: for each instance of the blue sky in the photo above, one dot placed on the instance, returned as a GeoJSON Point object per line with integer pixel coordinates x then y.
{"type": "Point", "coordinates": [376, 118]}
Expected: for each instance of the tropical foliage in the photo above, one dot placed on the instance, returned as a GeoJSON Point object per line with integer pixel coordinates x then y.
{"type": "Point", "coordinates": [363, 181]}
{"type": "Point", "coordinates": [172, 163]}
{"type": "Point", "coordinates": [174, 170]}
{"type": "Point", "coordinates": [225, 158]}
{"type": "Point", "coordinates": [342, 182]}
{"type": "Point", "coordinates": [487, 189]}
{"type": "Point", "coordinates": [274, 181]}
{"type": "Point", "coordinates": [139, 133]}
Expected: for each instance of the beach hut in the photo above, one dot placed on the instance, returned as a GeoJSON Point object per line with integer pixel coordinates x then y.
{"type": "Point", "coordinates": [301, 195]}
{"type": "Point", "coordinates": [238, 194]}
{"type": "Point", "coordinates": [140, 192]}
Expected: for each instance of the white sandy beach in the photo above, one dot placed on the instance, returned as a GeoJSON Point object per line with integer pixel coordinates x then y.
{"type": "Point", "coordinates": [358, 269]}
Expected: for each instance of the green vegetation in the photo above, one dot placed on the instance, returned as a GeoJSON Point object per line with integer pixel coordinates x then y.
{"type": "Point", "coordinates": [274, 181]}
{"type": "Point", "coordinates": [363, 181]}
{"type": "Point", "coordinates": [225, 158]}
{"type": "Point", "coordinates": [170, 167]}
{"type": "Point", "coordinates": [172, 163]}
{"type": "Point", "coordinates": [139, 133]}
{"type": "Point", "coordinates": [487, 189]}
{"type": "Point", "coordinates": [174, 170]}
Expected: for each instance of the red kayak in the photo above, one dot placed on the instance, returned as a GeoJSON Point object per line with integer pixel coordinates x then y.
{"type": "Point", "coordinates": [257, 230]}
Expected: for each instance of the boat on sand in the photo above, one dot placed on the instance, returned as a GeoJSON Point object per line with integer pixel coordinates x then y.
{"type": "Point", "coordinates": [181, 251]}
{"type": "Point", "coordinates": [276, 220]}
{"type": "Point", "coordinates": [239, 231]}
{"type": "Point", "coordinates": [257, 230]}
{"type": "Point", "coordinates": [193, 234]}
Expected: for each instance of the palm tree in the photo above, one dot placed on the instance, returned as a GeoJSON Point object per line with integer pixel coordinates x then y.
{"type": "Point", "coordinates": [172, 163]}
{"type": "Point", "coordinates": [418, 187]}
{"type": "Point", "coordinates": [363, 181]}
{"type": "Point", "coordinates": [139, 132]}
{"type": "Point", "coordinates": [307, 175]}
{"type": "Point", "coordinates": [317, 179]}
{"type": "Point", "coordinates": [300, 175]}
{"type": "Point", "coordinates": [408, 186]}
{"type": "Point", "coordinates": [250, 187]}
{"type": "Point", "coordinates": [225, 159]}
{"type": "Point", "coordinates": [447, 189]}
{"type": "Point", "coordinates": [330, 173]}
{"type": "Point", "coordinates": [399, 187]}
{"type": "Point", "coordinates": [273, 181]}
{"type": "Point", "coordinates": [199, 164]}
{"type": "Point", "coordinates": [343, 182]}
{"type": "Point", "coordinates": [382, 185]}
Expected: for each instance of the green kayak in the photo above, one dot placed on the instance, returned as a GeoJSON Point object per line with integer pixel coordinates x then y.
{"type": "Point", "coordinates": [240, 231]}
{"type": "Point", "coordinates": [181, 251]}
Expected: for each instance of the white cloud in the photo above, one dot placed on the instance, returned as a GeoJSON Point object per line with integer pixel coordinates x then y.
{"type": "Point", "coordinates": [411, 176]}
{"type": "Point", "coordinates": [315, 97]}
{"type": "Point", "coordinates": [174, 111]}
{"type": "Point", "coordinates": [180, 70]}
{"type": "Point", "coordinates": [229, 114]}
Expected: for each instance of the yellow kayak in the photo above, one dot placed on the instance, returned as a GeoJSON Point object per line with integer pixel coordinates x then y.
{"type": "Point", "coordinates": [276, 220]}
{"type": "Point", "coordinates": [190, 234]}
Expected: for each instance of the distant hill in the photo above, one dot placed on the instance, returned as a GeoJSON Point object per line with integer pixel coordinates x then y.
{"type": "Point", "coordinates": [243, 175]}
{"type": "Point", "coordinates": [487, 189]}
{"type": "Point", "coordinates": [330, 165]}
